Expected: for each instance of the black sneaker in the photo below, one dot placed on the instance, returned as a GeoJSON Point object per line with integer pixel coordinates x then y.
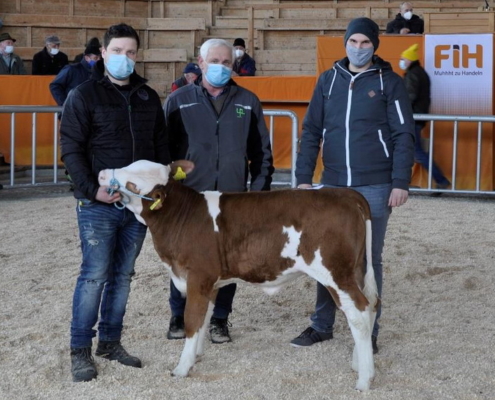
{"type": "Point", "coordinates": [114, 351]}
{"type": "Point", "coordinates": [176, 328]}
{"type": "Point", "coordinates": [83, 365]}
{"type": "Point", "coordinates": [373, 343]}
{"type": "Point", "coordinates": [219, 330]}
{"type": "Point", "coordinates": [310, 337]}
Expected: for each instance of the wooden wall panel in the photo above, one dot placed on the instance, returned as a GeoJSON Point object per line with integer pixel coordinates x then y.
{"type": "Point", "coordinates": [189, 10]}
{"type": "Point", "coordinates": [8, 6]}
{"type": "Point", "coordinates": [136, 9]}
{"type": "Point", "coordinates": [289, 40]}
{"type": "Point", "coordinates": [99, 8]}
{"type": "Point", "coordinates": [169, 40]}
{"type": "Point", "coordinates": [47, 7]}
{"type": "Point", "coordinates": [308, 13]}
{"type": "Point", "coordinates": [161, 76]}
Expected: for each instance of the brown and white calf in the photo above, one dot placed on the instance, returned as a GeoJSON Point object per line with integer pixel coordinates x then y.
{"type": "Point", "coordinates": [211, 239]}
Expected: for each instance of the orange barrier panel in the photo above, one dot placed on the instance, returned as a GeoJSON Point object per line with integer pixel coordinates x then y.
{"type": "Point", "coordinates": [291, 93]}
{"type": "Point", "coordinates": [27, 90]}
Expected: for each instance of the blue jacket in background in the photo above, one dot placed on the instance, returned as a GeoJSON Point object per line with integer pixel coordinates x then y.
{"type": "Point", "coordinates": [72, 75]}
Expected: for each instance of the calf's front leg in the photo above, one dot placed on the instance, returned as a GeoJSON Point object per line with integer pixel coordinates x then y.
{"type": "Point", "coordinates": [195, 325]}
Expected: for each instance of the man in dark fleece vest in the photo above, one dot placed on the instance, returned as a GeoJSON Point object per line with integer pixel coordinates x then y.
{"type": "Point", "coordinates": [220, 127]}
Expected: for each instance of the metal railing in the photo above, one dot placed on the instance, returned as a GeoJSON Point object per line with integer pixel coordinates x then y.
{"type": "Point", "coordinates": [35, 110]}
{"type": "Point", "coordinates": [272, 114]}
{"type": "Point", "coordinates": [456, 119]}
{"type": "Point", "coordinates": [294, 140]}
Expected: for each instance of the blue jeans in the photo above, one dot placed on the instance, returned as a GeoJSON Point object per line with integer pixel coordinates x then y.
{"type": "Point", "coordinates": [111, 240]}
{"type": "Point", "coordinates": [423, 158]}
{"type": "Point", "coordinates": [223, 302]}
{"type": "Point", "coordinates": [377, 196]}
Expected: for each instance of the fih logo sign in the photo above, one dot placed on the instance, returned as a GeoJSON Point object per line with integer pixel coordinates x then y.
{"type": "Point", "coordinates": [459, 56]}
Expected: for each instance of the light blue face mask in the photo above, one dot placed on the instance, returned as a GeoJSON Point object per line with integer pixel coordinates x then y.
{"type": "Point", "coordinates": [119, 66]}
{"type": "Point", "coordinates": [91, 63]}
{"type": "Point", "coordinates": [359, 57]}
{"type": "Point", "coordinates": [218, 75]}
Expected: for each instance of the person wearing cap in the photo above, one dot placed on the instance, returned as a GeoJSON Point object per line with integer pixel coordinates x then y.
{"type": "Point", "coordinates": [189, 75]}
{"type": "Point", "coordinates": [405, 21]}
{"type": "Point", "coordinates": [50, 60]}
{"type": "Point", "coordinates": [361, 118]}
{"type": "Point", "coordinates": [11, 63]}
{"type": "Point", "coordinates": [73, 75]}
{"type": "Point", "coordinates": [244, 65]}
{"type": "Point", "coordinates": [417, 84]}
{"type": "Point", "coordinates": [93, 42]}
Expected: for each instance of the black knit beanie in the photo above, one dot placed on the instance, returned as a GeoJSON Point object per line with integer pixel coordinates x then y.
{"type": "Point", "coordinates": [366, 27]}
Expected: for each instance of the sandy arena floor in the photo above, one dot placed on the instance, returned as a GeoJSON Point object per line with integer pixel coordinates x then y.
{"type": "Point", "coordinates": [438, 328]}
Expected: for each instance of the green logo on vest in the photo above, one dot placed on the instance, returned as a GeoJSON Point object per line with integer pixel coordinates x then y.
{"type": "Point", "coordinates": [240, 112]}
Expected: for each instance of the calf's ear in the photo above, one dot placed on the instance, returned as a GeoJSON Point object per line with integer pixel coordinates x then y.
{"type": "Point", "coordinates": [185, 165]}
{"type": "Point", "coordinates": [158, 197]}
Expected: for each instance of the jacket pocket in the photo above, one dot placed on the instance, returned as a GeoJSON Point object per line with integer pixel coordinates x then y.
{"type": "Point", "coordinates": [380, 137]}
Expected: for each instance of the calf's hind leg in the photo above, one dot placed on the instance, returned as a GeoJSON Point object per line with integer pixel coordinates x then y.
{"type": "Point", "coordinates": [360, 325]}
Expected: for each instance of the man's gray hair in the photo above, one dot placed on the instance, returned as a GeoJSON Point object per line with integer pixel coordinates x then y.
{"type": "Point", "coordinates": [211, 43]}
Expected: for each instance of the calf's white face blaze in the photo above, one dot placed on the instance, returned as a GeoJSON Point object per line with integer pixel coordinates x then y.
{"type": "Point", "coordinates": [143, 174]}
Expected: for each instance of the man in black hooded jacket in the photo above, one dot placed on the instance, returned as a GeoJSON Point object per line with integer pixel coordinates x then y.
{"type": "Point", "coordinates": [360, 117]}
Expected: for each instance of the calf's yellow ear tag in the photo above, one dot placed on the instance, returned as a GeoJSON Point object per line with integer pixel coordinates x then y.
{"type": "Point", "coordinates": [155, 204]}
{"type": "Point", "coordinates": [180, 174]}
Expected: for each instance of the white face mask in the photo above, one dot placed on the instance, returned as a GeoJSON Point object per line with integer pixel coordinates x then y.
{"type": "Point", "coordinates": [408, 15]}
{"type": "Point", "coordinates": [403, 65]}
{"type": "Point", "coordinates": [238, 53]}
{"type": "Point", "coordinates": [54, 51]}
{"type": "Point", "coordinates": [9, 49]}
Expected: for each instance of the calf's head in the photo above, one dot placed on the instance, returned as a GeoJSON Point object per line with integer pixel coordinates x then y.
{"type": "Point", "coordinates": [137, 180]}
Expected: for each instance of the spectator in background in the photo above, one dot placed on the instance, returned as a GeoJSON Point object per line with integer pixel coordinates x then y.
{"type": "Point", "coordinates": [93, 42]}
{"type": "Point", "coordinates": [73, 75]}
{"type": "Point", "coordinates": [418, 87]}
{"type": "Point", "coordinates": [244, 65]}
{"type": "Point", "coordinates": [406, 22]}
{"type": "Point", "coordinates": [11, 63]}
{"type": "Point", "coordinates": [190, 73]}
{"type": "Point", "coordinates": [50, 60]}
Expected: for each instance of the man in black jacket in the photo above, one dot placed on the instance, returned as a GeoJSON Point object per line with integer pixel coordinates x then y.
{"type": "Point", "coordinates": [109, 121]}
{"type": "Point", "coordinates": [406, 22]}
{"type": "Point", "coordinates": [418, 88]}
{"type": "Point", "coordinates": [220, 127]}
{"type": "Point", "coordinates": [50, 60]}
